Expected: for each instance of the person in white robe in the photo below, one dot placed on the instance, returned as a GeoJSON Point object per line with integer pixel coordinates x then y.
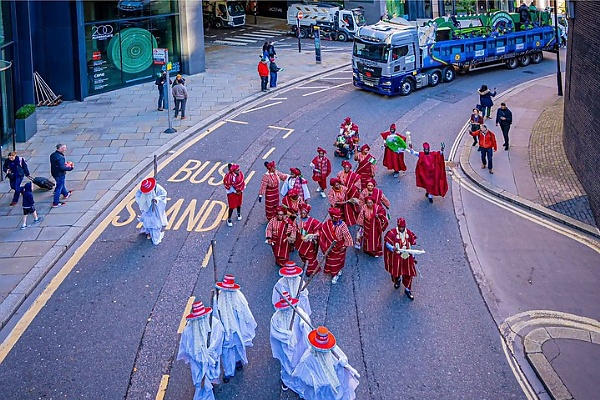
{"type": "Point", "coordinates": [151, 198]}
{"type": "Point", "coordinates": [290, 282]}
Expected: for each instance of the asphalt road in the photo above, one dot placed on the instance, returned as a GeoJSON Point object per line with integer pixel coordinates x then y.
{"type": "Point", "coordinates": [110, 330]}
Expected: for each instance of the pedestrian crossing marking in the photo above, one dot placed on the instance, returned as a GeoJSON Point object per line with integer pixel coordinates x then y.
{"type": "Point", "coordinates": [254, 35]}
{"type": "Point", "coordinates": [239, 39]}
{"type": "Point", "coordinates": [229, 43]}
{"type": "Point", "coordinates": [272, 31]}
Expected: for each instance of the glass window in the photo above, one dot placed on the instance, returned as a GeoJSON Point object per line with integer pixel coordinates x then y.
{"type": "Point", "coordinates": [373, 52]}
{"type": "Point", "coordinates": [5, 23]}
{"type": "Point", "coordinates": [399, 52]}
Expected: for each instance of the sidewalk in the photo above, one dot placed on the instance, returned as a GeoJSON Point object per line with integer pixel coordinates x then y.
{"type": "Point", "coordinates": [112, 139]}
{"type": "Point", "coordinates": [536, 174]}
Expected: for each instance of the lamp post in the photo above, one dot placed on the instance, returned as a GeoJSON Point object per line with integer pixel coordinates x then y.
{"type": "Point", "coordinates": [557, 47]}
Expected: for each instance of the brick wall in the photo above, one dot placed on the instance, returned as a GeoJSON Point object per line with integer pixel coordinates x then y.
{"type": "Point", "coordinates": [582, 99]}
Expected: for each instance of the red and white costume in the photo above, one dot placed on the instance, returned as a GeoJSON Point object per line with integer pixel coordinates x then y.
{"type": "Point", "coordinates": [269, 189]}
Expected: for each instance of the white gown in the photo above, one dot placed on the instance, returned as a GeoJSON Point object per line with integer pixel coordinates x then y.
{"type": "Point", "coordinates": [154, 216]}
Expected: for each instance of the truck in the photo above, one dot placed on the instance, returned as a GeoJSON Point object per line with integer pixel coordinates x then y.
{"type": "Point", "coordinates": [332, 20]}
{"type": "Point", "coordinates": [223, 13]}
{"type": "Point", "coordinates": [396, 57]}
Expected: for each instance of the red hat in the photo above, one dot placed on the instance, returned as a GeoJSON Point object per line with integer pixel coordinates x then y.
{"type": "Point", "coordinates": [346, 163]}
{"type": "Point", "coordinates": [365, 146]}
{"type": "Point", "coordinates": [148, 185]}
{"type": "Point", "coordinates": [295, 171]}
{"type": "Point", "coordinates": [426, 146]}
{"type": "Point", "coordinates": [305, 207]}
{"type": "Point", "coordinates": [393, 126]}
{"type": "Point", "coordinates": [290, 269]}
{"type": "Point", "coordinates": [234, 167]}
{"type": "Point", "coordinates": [198, 310]}
{"type": "Point", "coordinates": [293, 192]}
{"type": "Point", "coordinates": [321, 338]}
{"type": "Point", "coordinates": [347, 120]}
{"type": "Point", "coordinates": [281, 304]}
{"type": "Point", "coordinates": [370, 198]}
{"type": "Point", "coordinates": [333, 181]}
{"type": "Point", "coordinates": [270, 165]}
{"type": "Point", "coordinates": [335, 212]}
{"type": "Point", "coordinates": [280, 209]}
{"type": "Point", "coordinates": [373, 181]}
{"type": "Point", "coordinates": [228, 283]}
{"type": "Point", "coordinates": [401, 222]}
{"type": "Point", "coordinates": [321, 150]}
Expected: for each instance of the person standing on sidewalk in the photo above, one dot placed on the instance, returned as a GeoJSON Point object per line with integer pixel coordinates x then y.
{"type": "Point", "coordinates": [504, 119]}
{"type": "Point", "coordinates": [58, 169]}
{"type": "Point", "coordinates": [485, 100]}
{"type": "Point", "coordinates": [487, 147]}
{"type": "Point", "coordinates": [160, 83]}
{"type": "Point", "coordinates": [263, 72]}
{"type": "Point", "coordinates": [273, 70]}
{"type": "Point", "coordinates": [180, 94]}
{"type": "Point", "coordinates": [476, 122]}
{"type": "Point", "coordinates": [28, 206]}
{"type": "Point", "coordinates": [16, 169]}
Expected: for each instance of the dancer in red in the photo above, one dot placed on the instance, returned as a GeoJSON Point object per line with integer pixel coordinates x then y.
{"type": "Point", "coordinates": [400, 264]}
{"type": "Point", "coordinates": [334, 229]}
{"type": "Point", "coordinates": [296, 180]}
{"type": "Point", "coordinates": [234, 184]}
{"type": "Point", "coordinates": [307, 239]}
{"type": "Point", "coordinates": [431, 171]}
{"type": "Point", "coordinates": [366, 165]}
{"type": "Point", "coordinates": [373, 222]}
{"type": "Point", "coordinates": [269, 188]}
{"type": "Point", "coordinates": [280, 234]}
{"type": "Point", "coordinates": [321, 169]}
{"type": "Point", "coordinates": [291, 202]}
{"type": "Point", "coordinates": [339, 197]}
{"type": "Point", "coordinates": [375, 193]}
{"type": "Point", "coordinates": [348, 177]}
{"type": "Point", "coordinates": [393, 155]}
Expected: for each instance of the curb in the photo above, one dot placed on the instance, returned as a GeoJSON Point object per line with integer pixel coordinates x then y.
{"type": "Point", "coordinates": [29, 283]}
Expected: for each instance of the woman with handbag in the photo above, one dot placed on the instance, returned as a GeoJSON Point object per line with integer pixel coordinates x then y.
{"type": "Point", "coordinates": [16, 169]}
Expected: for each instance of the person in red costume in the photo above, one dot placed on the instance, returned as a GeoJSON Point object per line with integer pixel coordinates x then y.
{"type": "Point", "coordinates": [269, 188]}
{"type": "Point", "coordinates": [431, 171]}
{"type": "Point", "coordinates": [366, 165]}
{"type": "Point", "coordinates": [393, 160]}
{"type": "Point", "coordinates": [334, 229]}
{"type": "Point", "coordinates": [375, 193]}
{"type": "Point", "coordinates": [400, 265]}
{"type": "Point", "coordinates": [321, 167]}
{"type": "Point", "coordinates": [291, 202]}
{"type": "Point", "coordinates": [349, 178]}
{"type": "Point", "coordinates": [280, 234]}
{"type": "Point", "coordinates": [346, 201]}
{"type": "Point", "coordinates": [373, 222]}
{"type": "Point", "coordinates": [307, 238]}
{"type": "Point", "coordinates": [234, 185]}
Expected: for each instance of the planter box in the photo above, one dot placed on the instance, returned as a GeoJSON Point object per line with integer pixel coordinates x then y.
{"type": "Point", "coordinates": [26, 128]}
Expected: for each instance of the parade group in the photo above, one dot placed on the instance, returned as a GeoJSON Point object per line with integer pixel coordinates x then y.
{"type": "Point", "coordinates": [312, 365]}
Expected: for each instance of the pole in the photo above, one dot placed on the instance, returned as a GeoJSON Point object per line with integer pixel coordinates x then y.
{"type": "Point", "coordinates": [170, 129]}
{"type": "Point", "coordinates": [556, 46]}
{"type": "Point", "coordinates": [317, 34]}
{"type": "Point", "coordinates": [155, 166]}
{"type": "Point", "coordinates": [298, 34]}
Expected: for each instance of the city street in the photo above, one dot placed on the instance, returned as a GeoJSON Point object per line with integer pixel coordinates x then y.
{"type": "Point", "coordinates": [107, 328]}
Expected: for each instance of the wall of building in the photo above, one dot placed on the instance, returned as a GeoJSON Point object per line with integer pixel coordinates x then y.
{"type": "Point", "coordinates": [582, 99]}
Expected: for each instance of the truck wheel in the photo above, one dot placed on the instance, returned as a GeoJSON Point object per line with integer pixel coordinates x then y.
{"type": "Point", "coordinates": [341, 36]}
{"type": "Point", "coordinates": [434, 78]}
{"type": "Point", "coordinates": [449, 74]}
{"type": "Point", "coordinates": [512, 63]}
{"type": "Point", "coordinates": [537, 58]}
{"type": "Point", "coordinates": [303, 33]}
{"type": "Point", "coordinates": [525, 60]}
{"type": "Point", "coordinates": [218, 24]}
{"type": "Point", "coordinates": [406, 87]}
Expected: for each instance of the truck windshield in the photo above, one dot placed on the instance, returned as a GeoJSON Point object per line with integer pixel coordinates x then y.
{"type": "Point", "coordinates": [235, 9]}
{"type": "Point", "coordinates": [373, 52]}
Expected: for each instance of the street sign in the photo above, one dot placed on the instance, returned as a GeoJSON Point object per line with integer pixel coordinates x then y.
{"type": "Point", "coordinates": [159, 56]}
{"type": "Point", "coordinates": [300, 15]}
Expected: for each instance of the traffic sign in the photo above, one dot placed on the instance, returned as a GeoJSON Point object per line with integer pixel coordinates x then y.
{"type": "Point", "coordinates": [300, 15]}
{"type": "Point", "coordinates": [159, 56]}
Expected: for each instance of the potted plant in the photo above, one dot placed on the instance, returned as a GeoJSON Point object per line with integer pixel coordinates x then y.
{"type": "Point", "coordinates": [25, 122]}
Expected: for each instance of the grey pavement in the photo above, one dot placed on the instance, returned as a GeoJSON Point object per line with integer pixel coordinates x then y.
{"type": "Point", "coordinates": [112, 139]}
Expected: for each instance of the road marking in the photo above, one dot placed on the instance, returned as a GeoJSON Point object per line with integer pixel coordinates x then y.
{"type": "Point", "coordinates": [162, 388]}
{"type": "Point", "coordinates": [186, 311]}
{"type": "Point", "coordinates": [278, 98]}
{"type": "Point", "coordinates": [313, 87]}
{"type": "Point", "coordinates": [256, 36]}
{"type": "Point", "coordinates": [229, 43]}
{"type": "Point", "coordinates": [247, 180]}
{"type": "Point", "coordinates": [332, 78]}
{"type": "Point", "coordinates": [239, 39]}
{"type": "Point", "coordinates": [37, 305]}
{"type": "Point", "coordinates": [289, 130]}
{"type": "Point", "coordinates": [271, 31]}
{"type": "Point", "coordinates": [207, 257]}
{"type": "Point", "coordinates": [236, 122]}
{"type": "Point", "coordinates": [261, 107]}
{"type": "Point", "coordinates": [518, 373]}
{"type": "Point", "coordinates": [329, 88]}
{"type": "Point", "coordinates": [268, 153]}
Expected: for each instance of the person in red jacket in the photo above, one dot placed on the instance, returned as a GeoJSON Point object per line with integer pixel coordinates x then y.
{"type": "Point", "coordinates": [487, 146]}
{"type": "Point", "coordinates": [321, 167]}
{"type": "Point", "coordinates": [263, 72]}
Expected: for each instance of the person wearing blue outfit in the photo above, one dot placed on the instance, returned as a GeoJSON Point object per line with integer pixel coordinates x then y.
{"type": "Point", "coordinates": [16, 169]}
{"type": "Point", "coordinates": [28, 206]}
{"type": "Point", "coordinates": [485, 100]}
{"type": "Point", "coordinates": [58, 169]}
{"type": "Point", "coordinates": [273, 70]}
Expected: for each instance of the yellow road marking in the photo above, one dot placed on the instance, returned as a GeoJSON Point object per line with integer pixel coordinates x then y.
{"type": "Point", "coordinates": [207, 257]}
{"type": "Point", "coordinates": [186, 311]}
{"type": "Point", "coordinates": [162, 388]}
{"type": "Point", "coordinates": [268, 153]}
{"type": "Point", "coordinates": [289, 130]}
{"type": "Point", "coordinates": [519, 375]}
{"type": "Point", "coordinates": [43, 298]}
{"type": "Point", "coordinates": [236, 122]}
{"type": "Point", "coordinates": [261, 107]}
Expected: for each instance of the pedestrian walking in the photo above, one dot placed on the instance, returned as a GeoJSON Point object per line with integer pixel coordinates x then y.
{"type": "Point", "coordinates": [504, 119]}
{"type": "Point", "coordinates": [296, 180]}
{"type": "Point", "coordinates": [180, 94]}
{"type": "Point", "coordinates": [29, 206]}
{"type": "Point", "coordinates": [292, 202]}
{"type": "Point", "coordinates": [431, 171]}
{"type": "Point", "coordinates": [400, 264]}
{"type": "Point", "coordinates": [366, 165]}
{"type": "Point", "coordinates": [373, 222]}
{"type": "Point", "coordinates": [15, 169]}
{"type": "Point", "coordinates": [376, 194]}
{"type": "Point", "coordinates": [151, 198]}
{"type": "Point", "coordinates": [58, 169]}
{"type": "Point", "coordinates": [334, 229]}
{"type": "Point", "coordinates": [476, 122]}
{"type": "Point", "coordinates": [485, 100]}
{"type": "Point", "coordinates": [291, 281]}
{"type": "Point", "coordinates": [234, 185]}
{"type": "Point", "coordinates": [269, 188]}
{"type": "Point", "coordinates": [160, 83]}
{"type": "Point", "coordinates": [321, 375]}
{"type": "Point", "coordinates": [280, 234]}
{"type": "Point", "coordinates": [345, 200]}
{"type": "Point", "coordinates": [273, 70]}
{"type": "Point", "coordinates": [487, 147]}
{"type": "Point", "coordinates": [393, 154]}
{"type": "Point", "coordinates": [238, 323]}
{"type": "Point", "coordinates": [307, 238]}
{"type": "Point", "coordinates": [288, 344]}
{"type": "Point", "coordinates": [321, 166]}
{"type": "Point", "coordinates": [351, 180]}
{"type": "Point", "coordinates": [204, 357]}
{"type": "Point", "coordinates": [263, 73]}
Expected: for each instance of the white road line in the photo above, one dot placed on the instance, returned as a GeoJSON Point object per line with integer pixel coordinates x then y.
{"type": "Point", "coordinates": [236, 122]}
{"type": "Point", "coordinates": [229, 43]}
{"type": "Point", "coordinates": [271, 31]}
{"type": "Point", "coordinates": [284, 45]}
{"type": "Point", "coordinates": [268, 153]}
{"type": "Point", "coordinates": [210, 36]}
{"type": "Point", "coordinates": [329, 88]}
{"type": "Point", "coordinates": [239, 39]}
{"type": "Point", "coordinates": [278, 98]}
{"type": "Point", "coordinates": [313, 87]}
{"type": "Point", "coordinates": [261, 107]}
{"type": "Point", "coordinates": [253, 35]}
{"type": "Point", "coordinates": [333, 78]}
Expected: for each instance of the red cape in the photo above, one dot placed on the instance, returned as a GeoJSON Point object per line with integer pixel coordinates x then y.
{"type": "Point", "coordinates": [431, 173]}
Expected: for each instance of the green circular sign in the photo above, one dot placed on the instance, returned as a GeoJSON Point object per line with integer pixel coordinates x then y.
{"type": "Point", "coordinates": [130, 50]}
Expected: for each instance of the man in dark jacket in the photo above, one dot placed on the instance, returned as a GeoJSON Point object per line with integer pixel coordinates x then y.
{"type": "Point", "coordinates": [16, 169]}
{"type": "Point", "coordinates": [160, 83]}
{"type": "Point", "coordinates": [58, 169]}
{"type": "Point", "coordinates": [504, 120]}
